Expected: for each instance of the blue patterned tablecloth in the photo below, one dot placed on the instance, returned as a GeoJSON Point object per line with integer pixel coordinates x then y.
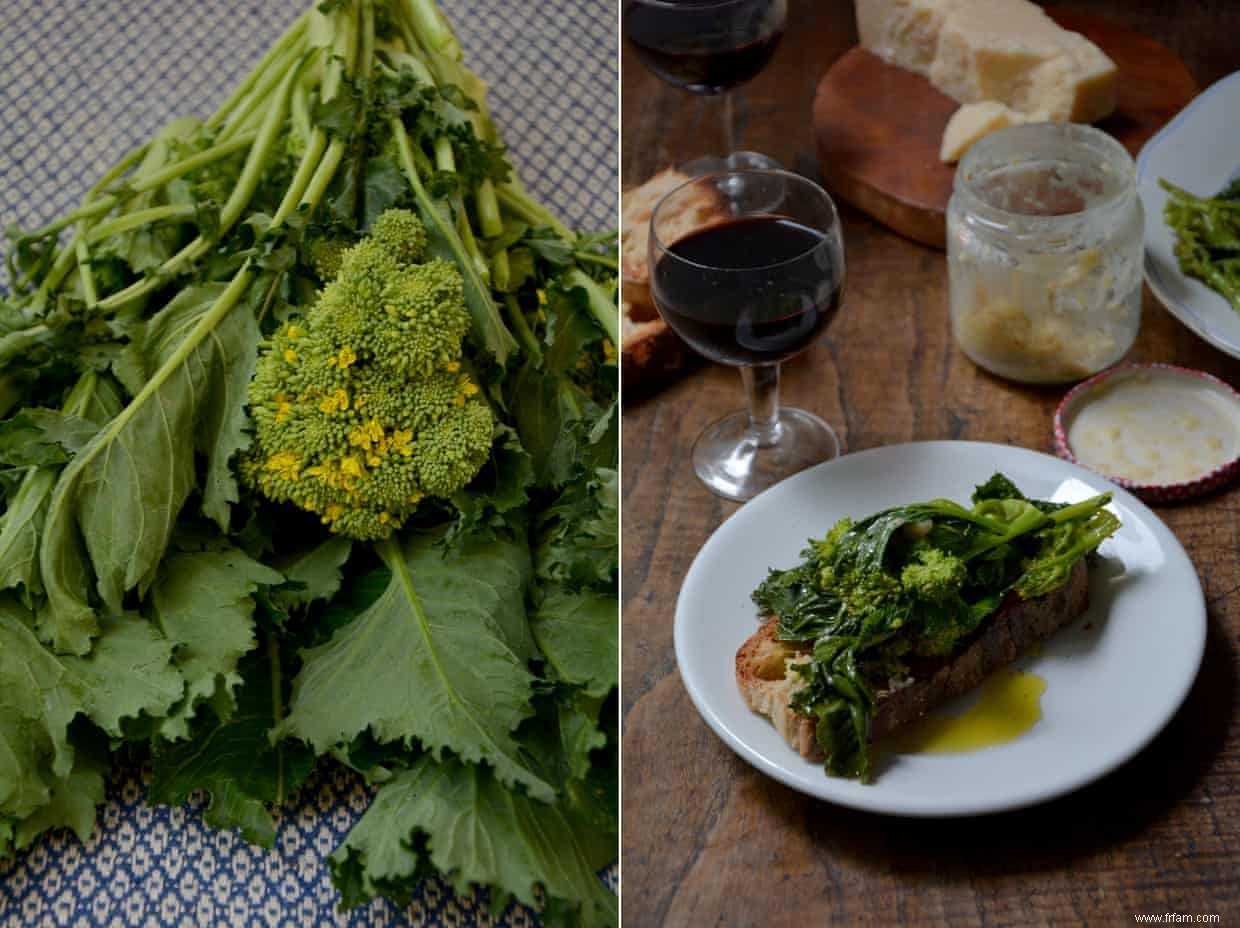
{"type": "Point", "coordinates": [80, 82]}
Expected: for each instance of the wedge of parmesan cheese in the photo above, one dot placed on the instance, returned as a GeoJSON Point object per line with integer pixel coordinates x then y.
{"type": "Point", "coordinates": [1008, 51]}
{"type": "Point", "coordinates": [974, 120]}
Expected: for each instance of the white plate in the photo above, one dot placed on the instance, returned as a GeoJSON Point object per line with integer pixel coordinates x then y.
{"type": "Point", "coordinates": [1199, 150]}
{"type": "Point", "coordinates": [1110, 688]}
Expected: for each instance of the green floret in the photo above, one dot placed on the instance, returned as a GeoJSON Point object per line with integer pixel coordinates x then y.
{"type": "Point", "coordinates": [362, 408]}
{"type": "Point", "coordinates": [410, 317]}
{"type": "Point", "coordinates": [402, 233]}
{"type": "Point", "coordinates": [326, 257]}
{"type": "Point", "coordinates": [934, 575]}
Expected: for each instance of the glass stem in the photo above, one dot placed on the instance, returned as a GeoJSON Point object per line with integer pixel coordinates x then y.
{"type": "Point", "coordinates": [762, 389]}
{"type": "Point", "coordinates": [729, 125]}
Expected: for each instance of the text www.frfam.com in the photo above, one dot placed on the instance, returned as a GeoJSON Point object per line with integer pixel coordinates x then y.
{"type": "Point", "coordinates": [1175, 918]}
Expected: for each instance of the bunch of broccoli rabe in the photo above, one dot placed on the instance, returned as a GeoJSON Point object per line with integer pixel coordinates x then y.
{"type": "Point", "coordinates": [308, 448]}
{"type": "Point", "coordinates": [910, 584]}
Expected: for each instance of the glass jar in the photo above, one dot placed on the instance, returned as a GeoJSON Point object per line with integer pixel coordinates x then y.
{"type": "Point", "coordinates": [1045, 241]}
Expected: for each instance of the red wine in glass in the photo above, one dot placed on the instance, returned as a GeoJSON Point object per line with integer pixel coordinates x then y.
{"type": "Point", "coordinates": [751, 286]}
{"type": "Point", "coordinates": [707, 47]}
{"type": "Point", "coordinates": [775, 297]}
{"type": "Point", "coordinates": [703, 46]}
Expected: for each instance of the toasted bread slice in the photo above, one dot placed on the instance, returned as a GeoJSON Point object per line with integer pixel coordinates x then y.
{"type": "Point", "coordinates": [638, 206]}
{"type": "Point", "coordinates": [767, 682]}
{"type": "Point", "coordinates": [652, 354]}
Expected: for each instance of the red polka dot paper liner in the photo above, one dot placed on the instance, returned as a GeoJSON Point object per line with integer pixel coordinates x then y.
{"type": "Point", "coordinates": [1151, 492]}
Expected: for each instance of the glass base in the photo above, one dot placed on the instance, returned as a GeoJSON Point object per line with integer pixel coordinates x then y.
{"type": "Point", "coordinates": [735, 463]}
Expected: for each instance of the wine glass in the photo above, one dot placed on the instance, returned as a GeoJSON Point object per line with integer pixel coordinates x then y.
{"type": "Point", "coordinates": [751, 285]}
{"type": "Point", "coordinates": [708, 47]}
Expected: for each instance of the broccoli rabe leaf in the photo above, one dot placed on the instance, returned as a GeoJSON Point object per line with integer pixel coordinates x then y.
{"type": "Point", "coordinates": [204, 603]}
{"type": "Point", "coordinates": [71, 803]}
{"type": "Point", "coordinates": [576, 632]}
{"type": "Point", "coordinates": [435, 658]}
{"type": "Point", "coordinates": [577, 534]}
{"type": "Point", "coordinates": [43, 437]}
{"type": "Point", "coordinates": [477, 833]}
{"type": "Point", "coordinates": [234, 760]}
{"type": "Point", "coordinates": [384, 186]}
{"type": "Point", "coordinates": [188, 371]}
{"type": "Point", "coordinates": [314, 573]}
{"type": "Point", "coordinates": [127, 674]}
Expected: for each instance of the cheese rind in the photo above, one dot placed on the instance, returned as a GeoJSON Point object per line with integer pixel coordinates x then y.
{"type": "Point", "coordinates": [1004, 50]}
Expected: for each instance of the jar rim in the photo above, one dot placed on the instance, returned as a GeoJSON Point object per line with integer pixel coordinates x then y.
{"type": "Point", "coordinates": [1071, 142]}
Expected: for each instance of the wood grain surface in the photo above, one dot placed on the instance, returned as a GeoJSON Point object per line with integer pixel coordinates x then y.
{"type": "Point", "coordinates": [879, 127]}
{"type": "Point", "coordinates": [708, 841]}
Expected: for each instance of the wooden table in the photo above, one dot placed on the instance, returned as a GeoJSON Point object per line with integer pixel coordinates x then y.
{"type": "Point", "coordinates": [708, 840]}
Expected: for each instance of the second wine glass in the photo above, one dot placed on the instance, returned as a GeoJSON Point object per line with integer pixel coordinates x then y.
{"type": "Point", "coordinates": [754, 282]}
{"type": "Point", "coordinates": [708, 47]}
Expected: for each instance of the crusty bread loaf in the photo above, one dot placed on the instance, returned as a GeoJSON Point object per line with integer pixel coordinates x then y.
{"type": "Point", "coordinates": [767, 682]}
{"type": "Point", "coordinates": [638, 205]}
{"type": "Point", "coordinates": [652, 353]}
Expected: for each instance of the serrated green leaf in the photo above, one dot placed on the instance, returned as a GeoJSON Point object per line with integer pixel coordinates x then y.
{"type": "Point", "coordinates": [577, 633]}
{"type": "Point", "coordinates": [383, 187]}
{"type": "Point", "coordinates": [120, 496]}
{"type": "Point", "coordinates": [128, 673]}
{"type": "Point", "coordinates": [431, 659]}
{"type": "Point", "coordinates": [203, 601]}
{"type": "Point", "coordinates": [578, 534]}
{"type": "Point", "coordinates": [481, 834]}
{"type": "Point", "coordinates": [21, 527]}
{"type": "Point", "coordinates": [43, 437]}
{"type": "Point", "coordinates": [235, 761]}
{"type": "Point", "coordinates": [579, 733]}
{"type": "Point", "coordinates": [314, 574]}
{"type": "Point", "coordinates": [71, 803]}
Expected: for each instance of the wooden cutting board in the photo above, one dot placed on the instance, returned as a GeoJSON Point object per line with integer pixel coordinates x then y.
{"type": "Point", "coordinates": [878, 127]}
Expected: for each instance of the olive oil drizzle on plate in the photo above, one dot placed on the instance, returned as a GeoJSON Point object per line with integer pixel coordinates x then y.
{"type": "Point", "coordinates": [1009, 703]}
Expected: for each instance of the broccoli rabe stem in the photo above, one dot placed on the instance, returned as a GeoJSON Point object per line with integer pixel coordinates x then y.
{"type": "Point", "coordinates": [89, 293]}
{"type": "Point", "coordinates": [300, 112]}
{"type": "Point", "coordinates": [134, 220]}
{"type": "Point", "coordinates": [318, 168]}
{"type": "Point", "coordinates": [592, 257]}
{"type": "Point", "coordinates": [602, 308]}
{"type": "Point", "coordinates": [489, 328]}
{"type": "Point", "coordinates": [445, 158]}
{"type": "Point", "coordinates": [21, 341]}
{"type": "Point", "coordinates": [292, 36]}
{"type": "Point", "coordinates": [523, 207]}
{"type": "Point", "coordinates": [525, 335]}
{"type": "Point", "coordinates": [466, 232]}
{"type": "Point", "coordinates": [432, 29]}
{"type": "Point", "coordinates": [489, 219]}
{"type": "Point", "coordinates": [252, 108]}
{"type": "Point", "coordinates": [255, 163]}
{"type": "Point", "coordinates": [501, 271]}
{"type": "Point", "coordinates": [367, 50]}
{"type": "Point", "coordinates": [95, 208]}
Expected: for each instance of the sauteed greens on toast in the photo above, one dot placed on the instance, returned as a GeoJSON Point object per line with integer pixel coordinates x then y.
{"type": "Point", "coordinates": [882, 596]}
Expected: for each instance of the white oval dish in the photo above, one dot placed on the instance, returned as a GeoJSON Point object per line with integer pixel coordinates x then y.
{"type": "Point", "coordinates": [1163, 432]}
{"type": "Point", "coordinates": [1115, 676]}
{"type": "Point", "coordinates": [1198, 150]}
